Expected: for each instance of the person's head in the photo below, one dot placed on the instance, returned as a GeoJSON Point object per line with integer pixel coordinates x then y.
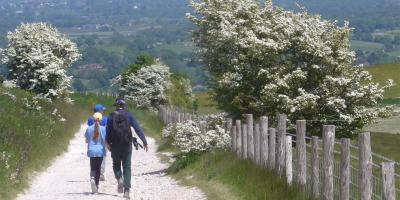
{"type": "Point", "coordinates": [97, 117]}
{"type": "Point", "coordinates": [119, 103]}
{"type": "Point", "coordinates": [99, 108]}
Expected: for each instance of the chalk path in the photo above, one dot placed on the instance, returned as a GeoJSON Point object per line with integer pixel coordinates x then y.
{"type": "Point", "coordinates": [68, 178]}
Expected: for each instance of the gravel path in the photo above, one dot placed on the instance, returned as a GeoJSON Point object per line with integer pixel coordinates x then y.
{"type": "Point", "coordinates": [68, 178]}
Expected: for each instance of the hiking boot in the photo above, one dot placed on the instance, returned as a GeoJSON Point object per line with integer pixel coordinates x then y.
{"type": "Point", "coordinates": [93, 185]}
{"type": "Point", "coordinates": [126, 194]}
{"type": "Point", "coordinates": [121, 185]}
{"type": "Point", "coordinates": [102, 178]}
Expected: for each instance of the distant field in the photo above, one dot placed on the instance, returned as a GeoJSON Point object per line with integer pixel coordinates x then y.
{"type": "Point", "coordinates": [386, 32]}
{"type": "Point", "coordinates": [395, 53]}
{"type": "Point", "coordinates": [381, 73]}
{"type": "Point", "coordinates": [75, 33]}
{"type": "Point", "coordinates": [365, 46]}
{"type": "Point", "coordinates": [178, 48]}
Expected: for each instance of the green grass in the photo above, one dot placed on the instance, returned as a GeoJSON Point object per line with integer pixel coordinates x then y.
{"type": "Point", "coordinates": [381, 73]}
{"type": "Point", "coordinates": [388, 125]}
{"type": "Point", "coordinates": [365, 46]}
{"type": "Point", "coordinates": [386, 144]}
{"type": "Point", "coordinates": [31, 138]}
{"type": "Point", "coordinates": [177, 96]}
{"type": "Point", "coordinates": [221, 175]}
{"type": "Point", "coordinates": [206, 103]}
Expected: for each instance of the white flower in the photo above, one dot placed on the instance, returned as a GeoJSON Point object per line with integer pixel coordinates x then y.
{"type": "Point", "coordinates": [268, 59]}
{"type": "Point", "coordinates": [189, 137]}
{"type": "Point", "coordinates": [10, 84]}
{"type": "Point", "coordinates": [147, 87]}
{"type": "Point", "coordinates": [37, 56]}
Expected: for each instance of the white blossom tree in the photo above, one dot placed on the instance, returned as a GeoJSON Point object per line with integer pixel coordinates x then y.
{"type": "Point", "coordinates": [264, 60]}
{"type": "Point", "coordinates": [190, 138]}
{"type": "Point", "coordinates": [37, 56]}
{"type": "Point", "coordinates": [147, 86]}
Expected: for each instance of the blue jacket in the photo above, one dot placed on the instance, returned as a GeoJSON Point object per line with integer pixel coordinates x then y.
{"type": "Point", "coordinates": [90, 121]}
{"type": "Point", "coordinates": [96, 148]}
{"type": "Point", "coordinates": [133, 123]}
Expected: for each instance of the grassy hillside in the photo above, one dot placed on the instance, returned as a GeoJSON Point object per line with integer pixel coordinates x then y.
{"type": "Point", "coordinates": [381, 73]}
{"type": "Point", "coordinates": [31, 138]}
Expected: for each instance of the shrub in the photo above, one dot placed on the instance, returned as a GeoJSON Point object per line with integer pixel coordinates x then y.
{"type": "Point", "coordinates": [147, 87]}
{"type": "Point", "coordinates": [190, 137]}
{"type": "Point", "coordinates": [37, 56]}
{"type": "Point", "coordinates": [264, 60]}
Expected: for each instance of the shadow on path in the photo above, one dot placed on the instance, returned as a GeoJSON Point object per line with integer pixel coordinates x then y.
{"type": "Point", "coordinates": [158, 172]}
{"type": "Point", "coordinates": [89, 193]}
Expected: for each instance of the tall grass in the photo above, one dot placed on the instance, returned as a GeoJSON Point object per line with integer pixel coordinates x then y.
{"type": "Point", "coordinates": [30, 138]}
{"type": "Point", "coordinates": [222, 175]}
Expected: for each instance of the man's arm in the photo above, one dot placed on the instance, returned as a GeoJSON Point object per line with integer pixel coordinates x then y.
{"type": "Point", "coordinates": [137, 129]}
{"type": "Point", "coordinates": [108, 132]}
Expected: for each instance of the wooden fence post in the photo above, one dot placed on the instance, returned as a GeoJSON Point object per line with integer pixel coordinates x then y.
{"type": "Point", "coordinates": [365, 166]}
{"type": "Point", "coordinates": [257, 141]}
{"type": "Point", "coordinates": [272, 145]}
{"type": "Point", "coordinates": [315, 168]}
{"type": "Point", "coordinates": [281, 144]}
{"type": "Point", "coordinates": [233, 139]}
{"type": "Point", "coordinates": [264, 141]}
{"type": "Point", "coordinates": [345, 169]}
{"type": "Point", "coordinates": [239, 141]}
{"type": "Point", "coordinates": [244, 141]}
{"type": "Point", "coordinates": [250, 136]}
{"type": "Point", "coordinates": [327, 165]}
{"type": "Point", "coordinates": [168, 116]}
{"type": "Point", "coordinates": [238, 138]}
{"type": "Point", "coordinates": [288, 160]}
{"type": "Point", "coordinates": [301, 154]}
{"type": "Point", "coordinates": [388, 181]}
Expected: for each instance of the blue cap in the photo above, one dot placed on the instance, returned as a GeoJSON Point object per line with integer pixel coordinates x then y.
{"type": "Point", "coordinates": [99, 108]}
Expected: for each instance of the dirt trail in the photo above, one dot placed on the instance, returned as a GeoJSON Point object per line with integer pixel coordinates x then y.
{"type": "Point", "coordinates": [68, 178]}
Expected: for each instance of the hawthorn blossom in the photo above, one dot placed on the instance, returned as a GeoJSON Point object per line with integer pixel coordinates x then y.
{"type": "Point", "coordinates": [189, 137]}
{"type": "Point", "coordinates": [37, 56]}
{"type": "Point", "coordinates": [265, 60]}
{"type": "Point", "coordinates": [147, 87]}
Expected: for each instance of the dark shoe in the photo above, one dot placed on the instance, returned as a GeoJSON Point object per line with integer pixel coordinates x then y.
{"type": "Point", "coordinates": [126, 194]}
{"type": "Point", "coordinates": [121, 185]}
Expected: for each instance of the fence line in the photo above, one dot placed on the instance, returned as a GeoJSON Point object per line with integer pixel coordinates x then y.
{"type": "Point", "coordinates": [108, 94]}
{"type": "Point", "coordinates": [322, 167]}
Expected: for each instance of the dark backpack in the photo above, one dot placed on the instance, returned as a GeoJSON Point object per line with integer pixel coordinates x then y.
{"type": "Point", "coordinates": [121, 126]}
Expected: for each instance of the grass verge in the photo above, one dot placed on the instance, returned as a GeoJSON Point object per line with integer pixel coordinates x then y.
{"type": "Point", "coordinates": [30, 138]}
{"type": "Point", "coordinates": [221, 175]}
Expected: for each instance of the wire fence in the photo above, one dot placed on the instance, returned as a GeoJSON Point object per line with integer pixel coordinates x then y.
{"type": "Point", "coordinates": [364, 168]}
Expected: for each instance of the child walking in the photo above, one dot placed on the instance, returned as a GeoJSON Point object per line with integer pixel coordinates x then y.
{"type": "Point", "coordinates": [95, 138]}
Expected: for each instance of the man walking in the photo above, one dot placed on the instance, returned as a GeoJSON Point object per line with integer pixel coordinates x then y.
{"type": "Point", "coordinates": [119, 142]}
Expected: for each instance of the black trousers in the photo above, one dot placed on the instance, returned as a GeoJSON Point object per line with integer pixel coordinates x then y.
{"type": "Point", "coordinates": [95, 168]}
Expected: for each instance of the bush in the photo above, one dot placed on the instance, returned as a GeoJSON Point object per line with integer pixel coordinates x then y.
{"type": "Point", "coordinates": [189, 137]}
{"type": "Point", "coordinates": [264, 60]}
{"type": "Point", "coordinates": [37, 57]}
